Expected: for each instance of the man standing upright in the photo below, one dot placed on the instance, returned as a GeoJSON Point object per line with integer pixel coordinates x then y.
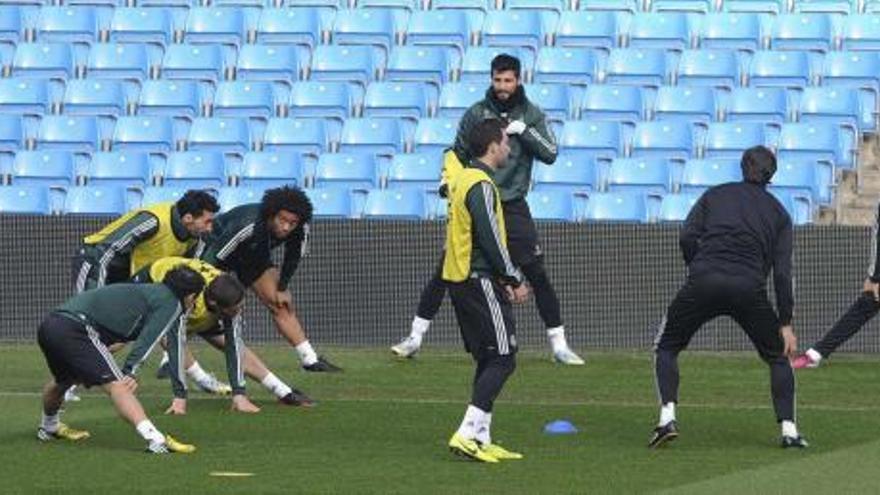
{"type": "Point", "coordinates": [529, 139]}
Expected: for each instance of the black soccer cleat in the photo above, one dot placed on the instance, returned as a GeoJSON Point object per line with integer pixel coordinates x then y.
{"type": "Point", "coordinates": [163, 373]}
{"type": "Point", "coordinates": [797, 442]}
{"type": "Point", "coordinates": [322, 366]}
{"type": "Point", "coordinates": [663, 434]}
{"type": "Point", "coordinates": [297, 398]}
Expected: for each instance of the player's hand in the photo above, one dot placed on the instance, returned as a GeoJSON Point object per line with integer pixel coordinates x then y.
{"type": "Point", "coordinates": [789, 340]}
{"type": "Point", "coordinates": [873, 288]}
{"type": "Point", "coordinates": [129, 383]}
{"type": "Point", "coordinates": [177, 407]}
{"type": "Point", "coordinates": [516, 127]}
{"type": "Point", "coordinates": [518, 295]}
{"type": "Point", "coordinates": [283, 299]}
{"type": "Point", "coordinates": [240, 403]}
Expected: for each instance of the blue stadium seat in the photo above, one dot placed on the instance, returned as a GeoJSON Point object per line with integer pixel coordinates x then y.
{"type": "Point", "coordinates": [840, 106]}
{"type": "Point", "coordinates": [520, 28]}
{"type": "Point", "coordinates": [685, 6]}
{"type": "Point", "coordinates": [244, 99]}
{"type": "Point", "coordinates": [798, 206]}
{"type": "Point", "coordinates": [343, 63]}
{"type": "Point", "coordinates": [231, 197]}
{"type": "Point", "coordinates": [617, 207]}
{"type": "Point", "coordinates": [572, 172]}
{"type": "Point", "coordinates": [636, 66]}
{"type": "Point", "coordinates": [215, 25]}
{"type": "Point", "coordinates": [475, 9]}
{"type": "Point", "coordinates": [553, 99]}
{"type": "Point", "coordinates": [299, 26]}
{"type": "Point", "coordinates": [439, 27]}
{"type": "Point", "coordinates": [565, 66]}
{"type": "Point", "coordinates": [802, 32]}
{"type": "Point", "coordinates": [596, 139]}
{"type": "Point", "coordinates": [730, 139]}
{"type": "Point", "coordinates": [396, 204]}
{"type": "Point", "coordinates": [857, 70]}
{"type": "Point", "coordinates": [478, 59]}
{"type": "Point", "coordinates": [44, 168]}
{"type": "Point", "coordinates": [170, 97]}
{"type": "Point", "coordinates": [372, 136]}
{"type": "Point", "coordinates": [333, 203]}
{"type": "Point", "coordinates": [271, 169]}
{"type": "Point", "coordinates": [194, 170]}
{"type": "Point", "coordinates": [549, 6]}
{"type": "Point", "coordinates": [587, 29]}
{"type": "Point", "coordinates": [11, 133]}
{"type": "Point", "coordinates": [418, 63]}
{"type": "Point", "coordinates": [548, 205]}
{"type": "Point", "coordinates": [95, 97]}
{"type": "Point", "coordinates": [347, 170]}
{"type": "Point", "coordinates": [716, 68]}
{"type": "Point", "coordinates": [804, 178]}
{"type": "Point", "coordinates": [153, 134]}
{"type": "Point", "coordinates": [786, 69]}
{"type": "Point", "coordinates": [676, 207]}
{"type": "Point", "coordinates": [640, 175]}
{"type": "Point", "coordinates": [435, 135]}
{"type": "Point", "coordinates": [308, 136]}
{"type": "Point", "coordinates": [813, 142]}
{"type": "Point", "coordinates": [409, 100]}
{"type": "Point", "coordinates": [141, 25]}
{"type": "Point", "coordinates": [118, 61]}
{"type": "Point", "coordinates": [67, 24]}
{"type": "Point", "coordinates": [773, 7]}
{"type": "Point", "coordinates": [731, 31]}
{"type": "Point", "coordinates": [694, 104]}
{"type": "Point", "coordinates": [404, 6]}
{"type": "Point", "coordinates": [627, 6]}
{"type": "Point", "coordinates": [861, 32]}
{"type": "Point", "coordinates": [119, 168]}
{"type": "Point", "coordinates": [699, 175]}
{"type": "Point", "coordinates": [872, 7]}
{"type": "Point", "coordinates": [174, 5]}
{"type": "Point", "coordinates": [672, 140]}
{"type": "Point", "coordinates": [24, 200]}
{"type": "Point", "coordinates": [415, 170]}
{"type": "Point", "coordinates": [200, 62]}
{"type": "Point", "coordinates": [153, 195]}
{"type": "Point", "coordinates": [43, 60]}
{"type": "Point", "coordinates": [328, 99]}
{"type": "Point", "coordinates": [269, 63]}
{"type": "Point", "coordinates": [11, 26]}
{"type": "Point", "coordinates": [612, 102]}
{"type": "Point", "coordinates": [842, 7]}
{"type": "Point", "coordinates": [24, 96]}
{"type": "Point", "coordinates": [668, 31]}
{"type": "Point", "coordinates": [457, 97]}
{"type": "Point", "coordinates": [365, 27]}
{"type": "Point", "coordinates": [757, 105]}
{"type": "Point", "coordinates": [95, 200]}
{"type": "Point", "coordinates": [228, 135]}
{"type": "Point", "coordinates": [69, 133]}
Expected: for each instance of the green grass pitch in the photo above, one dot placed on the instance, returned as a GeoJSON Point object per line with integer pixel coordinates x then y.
{"type": "Point", "coordinates": [382, 426]}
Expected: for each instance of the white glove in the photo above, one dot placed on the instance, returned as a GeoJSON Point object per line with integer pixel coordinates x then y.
{"type": "Point", "coordinates": [516, 127]}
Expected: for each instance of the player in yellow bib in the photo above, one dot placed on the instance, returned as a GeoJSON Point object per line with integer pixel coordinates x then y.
{"type": "Point", "coordinates": [216, 317]}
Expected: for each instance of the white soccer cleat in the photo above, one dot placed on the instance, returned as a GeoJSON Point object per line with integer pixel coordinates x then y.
{"type": "Point", "coordinates": [567, 357]}
{"type": "Point", "coordinates": [71, 396]}
{"type": "Point", "coordinates": [214, 386]}
{"type": "Point", "coordinates": [407, 348]}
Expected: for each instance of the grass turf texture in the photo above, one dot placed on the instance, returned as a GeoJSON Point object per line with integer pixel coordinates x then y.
{"type": "Point", "coordinates": [382, 427]}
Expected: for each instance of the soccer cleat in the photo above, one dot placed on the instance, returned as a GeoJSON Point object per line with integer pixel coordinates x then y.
{"type": "Point", "coordinates": [178, 447]}
{"type": "Point", "coordinates": [500, 452]}
{"type": "Point", "coordinates": [797, 442]}
{"type": "Point", "coordinates": [470, 449]}
{"type": "Point", "coordinates": [568, 357]}
{"type": "Point", "coordinates": [63, 432]}
{"type": "Point", "coordinates": [157, 448]}
{"type": "Point", "coordinates": [322, 366]}
{"type": "Point", "coordinates": [297, 398]}
{"type": "Point", "coordinates": [162, 373]}
{"type": "Point", "coordinates": [663, 434]}
{"type": "Point", "coordinates": [804, 361]}
{"type": "Point", "coordinates": [407, 348]}
{"type": "Point", "coordinates": [214, 386]}
{"type": "Point", "coordinates": [70, 395]}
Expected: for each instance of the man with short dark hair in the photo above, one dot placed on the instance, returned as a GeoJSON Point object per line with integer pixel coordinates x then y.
{"type": "Point", "coordinates": [732, 238]}
{"type": "Point", "coordinates": [530, 139]}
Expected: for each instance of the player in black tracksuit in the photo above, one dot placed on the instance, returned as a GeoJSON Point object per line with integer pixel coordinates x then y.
{"type": "Point", "coordinates": [732, 238]}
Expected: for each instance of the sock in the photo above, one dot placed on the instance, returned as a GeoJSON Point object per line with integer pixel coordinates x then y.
{"type": "Point", "coordinates": [50, 423]}
{"type": "Point", "coordinates": [275, 385]}
{"type": "Point", "coordinates": [667, 413]}
{"type": "Point", "coordinates": [789, 429]}
{"type": "Point", "coordinates": [483, 434]}
{"type": "Point", "coordinates": [557, 338]}
{"type": "Point", "coordinates": [814, 355]}
{"type": "Point", "coordinates": [472, 417]}
{"type": "Point", "coordinates": [164, 358]}
{"type": "Point", "coordinates": [419, 327]}
{"type": "Point", "coordinates": [306, 354]}
{"type": "Point", "coordinates": [148, 431]}
{"type": "Point", "coordinates": [197, 373]}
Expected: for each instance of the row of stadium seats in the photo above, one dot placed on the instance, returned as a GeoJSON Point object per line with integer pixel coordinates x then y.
{"type": "Point", "coordinates": [573, 172]}
{"type": "Point", "coordinates": [401, 204]}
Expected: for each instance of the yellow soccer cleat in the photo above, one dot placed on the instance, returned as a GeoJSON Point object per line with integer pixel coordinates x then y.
{"type": "Point", "coordinates": [178, 447]}
{"type": "Point", "coordinates": [214, 386]}
{"type": "Point", "coordinates": [63, 432]}
{"type": "Point", "coordinates": [470, 449]}
{"type": "Point", "coordinates": [501, 453]}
